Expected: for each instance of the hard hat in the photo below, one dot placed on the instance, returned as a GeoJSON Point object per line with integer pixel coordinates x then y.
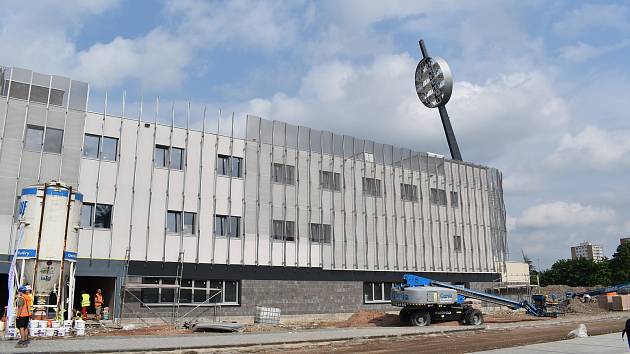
{"type": "Point", "coordinates": [22, 289]}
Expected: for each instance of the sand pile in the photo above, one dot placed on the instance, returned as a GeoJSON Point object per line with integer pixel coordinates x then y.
{"type": "Point", "coordinates": [370, 318]}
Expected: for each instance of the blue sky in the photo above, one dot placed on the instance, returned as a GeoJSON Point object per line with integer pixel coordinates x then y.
{"type": "Point", "coordinates": [541, 87]}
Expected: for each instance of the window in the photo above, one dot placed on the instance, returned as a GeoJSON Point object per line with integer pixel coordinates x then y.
{"type": "Point", "coordinates": [87, 210]}
{"type": "Point", "coordinates": [283, 230]}
{"type": "Point", "coordinates": [438, 196]}
{"type": "Point", "coordinates": [93, 148]}
{"type": "Point", "coordinates": [330, 180]}
{"type": "Point", "coordinates": [34, 138]}
{"type": "Point", "coordinates": [161, 156]}
{"type": "Point", "coordinates": [177, 158]}
{"type": "Point", "coordinates": [377, 292]}
{"type": "Point", "coordinates": [229, 166]}
{"type": "Point", "coordinates": [165, 157]}
{"type": "Point", "coordinates": [283, 174]}
{"type": "Point", "coordinates": [372, 187]}
{"type": "Point", "coordinates": [19, 90]}
{"type": "Point", "coordinates": [457, 243]}
{"type": "Point", "coordinates": [173, 222]}
{"type": "Point", "coordinates": [210, 292]}
{"type": "Point", "coordinates": [91, 145]}
{"type": "Point", "coordinates": [229, 226]}
{"type": "Point", "coordinates": [39, 94]}
{"type": "Point", "coordinates": [53, 140]}
{"type": "Point", "coordinates": [189, 223]}
{"type": "Point", "coordinates": [98, 216]}
{"type": "Point", "coordinates": [56, 97]}
{"type": "Point", "coordinates": [455, 199]}
{"type": "Point", "coordinates": [320, 233]}
{"type": "Point", "coordinates": [408, 192]}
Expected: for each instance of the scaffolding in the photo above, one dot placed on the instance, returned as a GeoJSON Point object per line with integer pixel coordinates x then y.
{"type": "Point", "coordinates": [175, 284]}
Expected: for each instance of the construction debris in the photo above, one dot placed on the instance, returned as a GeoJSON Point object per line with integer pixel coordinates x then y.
{"type": "Point", "coordinates": [218, 327]}
{"type": "Point", "coordinates": [579, 332]}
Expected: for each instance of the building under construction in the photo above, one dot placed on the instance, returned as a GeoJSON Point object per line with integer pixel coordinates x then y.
{"type": "Point", "coordinates": [241, 211]}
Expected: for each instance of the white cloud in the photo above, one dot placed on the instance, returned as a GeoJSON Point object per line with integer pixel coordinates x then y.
{"type": "Point", "coordinates": [562, 215]}
{"type": "Point", "coordinates": [581, 51]}
{"type": "Point", "coordinates": [378, 99]}
{"type": "Point", "coordinates": [591, 17]}
{"type": "Point", "coordinates": [592, 148]}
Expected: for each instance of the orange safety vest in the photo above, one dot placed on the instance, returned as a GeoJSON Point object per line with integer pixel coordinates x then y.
{"type": "Point", "coordinates": [98, 299]}
{"type": "Point", "coordinates": [25, 309]}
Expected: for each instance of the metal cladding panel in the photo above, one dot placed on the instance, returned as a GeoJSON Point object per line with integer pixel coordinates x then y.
{"type": "Point", "coordinates": [14, 125]}
{"type": "Point", "coordinates": [111, 127]}
{"type": "Point", "coordinates": [192, 156]}
{"type": "Point", "coordinates": [158, 216]}
{"type": "Point", "coordinates": [56, 118]}
{"type": "Point", "coordinates": [87, 181]}
{"type": "Point", "coordinates": [176, 186]}
{"type": "Point", "coordinates": [251, 188]}
{"type": "Point", "coordinates": [3, 112]}
{"type": "Point", "coordinates": [50, 168]}
{"type": "Point", "coordinates": [100, 244]}
{"type": "Point", "coordinates": [93, 123]}
{"type": "Point", "coordinates": [107, 182]}
{"type": "Point", "coordinates": [142, 195]}
{"type": "Point", "coordinates": [72, 240]}
{"type": "Point", "coordinates": [172, 247]}
{"type": "Point", "coordinates": [6, 224]}
{"type": "Point", "coordinates": [72, 145]}
{"type": "Point", "coordinates": [30, 164]}
{"type": "Point", "coordinates": [204, 217]}
{"type": "Point", "coordinates": [36, 114]}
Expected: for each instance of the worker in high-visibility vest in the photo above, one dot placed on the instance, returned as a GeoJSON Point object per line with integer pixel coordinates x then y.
{"type": "Point", "coordinates": [23, 315]}
{"type": "Point", "coordinates": [85, 303]}
{"type": "Point", "coordinates": [98, 304]}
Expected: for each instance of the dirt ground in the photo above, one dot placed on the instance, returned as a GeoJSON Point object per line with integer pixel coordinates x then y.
{"type": "Point", "coordinates": [457, 342]}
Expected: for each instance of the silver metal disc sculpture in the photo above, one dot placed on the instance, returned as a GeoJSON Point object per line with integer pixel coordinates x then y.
{"type": "Point", "coordinates": [434, 82]}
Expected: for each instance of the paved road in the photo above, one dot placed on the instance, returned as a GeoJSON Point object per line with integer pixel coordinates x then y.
{"type": "Point", "coordinates": [139, 343]}
{"type": "Point", "coordinates": [608, 343]}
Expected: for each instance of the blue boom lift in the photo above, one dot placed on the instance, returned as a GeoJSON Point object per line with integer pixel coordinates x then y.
{"type": "Point", "coordinates": [424, 301]}
{"type": "Point", "coordinates": [625, 287]}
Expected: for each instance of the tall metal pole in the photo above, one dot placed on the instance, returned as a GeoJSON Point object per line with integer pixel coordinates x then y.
{"type": "Point", "coordinates": [446, 122]}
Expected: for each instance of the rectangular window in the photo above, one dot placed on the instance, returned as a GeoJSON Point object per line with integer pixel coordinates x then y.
{"type": "Point", "coordinates": [53, 140]}
{"type": "Point", "coordinates": [19, 90]}
{"type": "Point", "coordinates": [161, 156]}
{"type": "Point", "coordinates": [320, 233]}
{"type": "Point", "coordinates": [195, 292]}
{"type": "Point", "coordinates": [189, 223]}
{"type": "Point", "coordinates": [455, 199]}
{"type": "Point", "coordinates": [39, 94]}
{"type": "Point", "coordinates": [56, 97]}
{"type": "Point", "coordinates": [173, 222]}
{"type": "Point", "coordinates": [109, 149]}
{"type": "Point", "coordinates": [96, 215]}
{"type": "Point", "coordinates": [34, 138]}
{"type": "Point", "coordinates": [372, 186]}
{"type": "Point", "coordinates": [283, 174]}
{"type": "Point", "coordinates": [438, 196]}
{"type": "Point", "coordinates": [229, 166]}
{"type": "Point", "coordinates": [95, 147]}
{"type": "Point", "coordinates": [457, 243]}
{"type": "Point", "coordinates": [229, 226]}
{"type": "Point", "coordinates": [377, 292]}
{"type": "Point", "coordinates": [87, 210]}
{"type": "Point", "coordinates": [91, 145]}
{"type": "Point", "coordinates": [330, 180]}
{"type": "Point", "coordinates": [177, 158]}
{"type": "Point", "coordinates": [165, 157]}
{"type": "Point", "coordinates": [283, 230]}
{"type": "Point", "coordinates": [408, 192]}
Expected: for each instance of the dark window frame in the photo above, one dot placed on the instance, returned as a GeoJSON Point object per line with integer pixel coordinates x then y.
{"type": "Point", "coordinates": [230, 166]}
{"type": "Point", "coordinates": [317, 232]}
{"type": "Point", "coordinates": [224, 226]}
{"type": "Point", "coordinates": [372, 187]}
{"type": "Point", "coordinates": [94, 224]}
{"type": "Point", "coordinates": [283, 230]}
{"type": "Point", "coordinates": [408, 192]}
{"type": "Point", "coordinates": [370, 292]}
{"type": "Point", "coordinates": [330, 180]}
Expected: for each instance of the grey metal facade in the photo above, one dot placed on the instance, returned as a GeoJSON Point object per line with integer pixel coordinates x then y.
{"type": "Point", "coordinates": [379, 208]}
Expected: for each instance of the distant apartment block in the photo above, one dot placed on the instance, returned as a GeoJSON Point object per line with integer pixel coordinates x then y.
{"type": "Point", "coordinates": [587, 250]}
{"type": "Point", "coordinates": [624, 240]}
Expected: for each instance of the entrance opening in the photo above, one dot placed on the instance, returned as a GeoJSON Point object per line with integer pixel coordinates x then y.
{"type": "Point", "coordinates": [4, 291]}
{"type": "Point", "coordinates": [90, 285]}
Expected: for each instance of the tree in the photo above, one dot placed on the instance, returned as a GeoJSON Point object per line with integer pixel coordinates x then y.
{"type": "Point", "coordinates": [577, 272]}
{"type": "Point", "coordinates": [620, 264]}
{"type": "Point", "coordinates": [533, 273]}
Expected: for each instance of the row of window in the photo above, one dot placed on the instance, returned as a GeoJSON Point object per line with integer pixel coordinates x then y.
{"type": "Point", "coordinates": [377, 292]}
{"type": "Point", "coordinates": [47, 139]}
{"type": "Point", "coordinates": [37, 93]}
{"type": "Point", "coordinates": [211, 292]}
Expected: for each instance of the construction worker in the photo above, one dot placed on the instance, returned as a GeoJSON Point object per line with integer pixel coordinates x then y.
{"type": "Point", "coordinates": [85, 303]}
{"type": "Point", "coordinates": [23, 313]}
{"type": "Point", "coordinates": [98, 304]}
